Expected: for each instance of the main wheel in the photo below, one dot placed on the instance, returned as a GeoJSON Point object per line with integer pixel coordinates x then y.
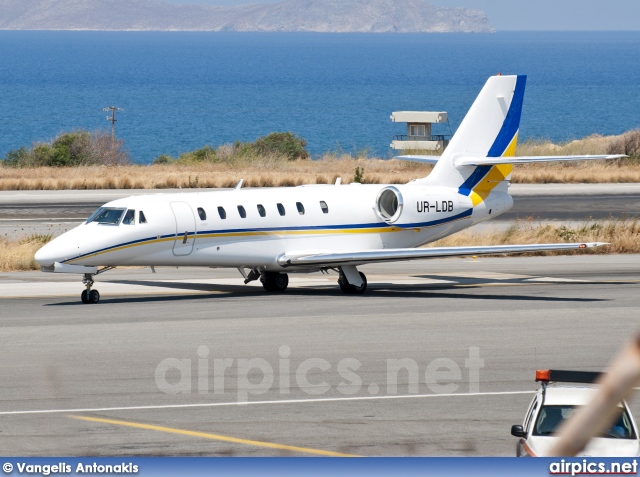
{"type": "Point", "coordinates": [94, 296]}
{"type": "Point", "coordinates": [84, 296]}
{"type": "Point", "coordinates": [275, 281]}
{"type": "Point", "coordinates": [349, 289]}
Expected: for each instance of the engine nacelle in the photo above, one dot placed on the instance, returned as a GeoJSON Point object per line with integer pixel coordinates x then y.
{"type": "Point", "coordinates": [417, 206]}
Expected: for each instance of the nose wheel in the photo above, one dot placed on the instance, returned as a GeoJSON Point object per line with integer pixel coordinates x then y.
{"type": "Point", "coordinates": [88, 295]}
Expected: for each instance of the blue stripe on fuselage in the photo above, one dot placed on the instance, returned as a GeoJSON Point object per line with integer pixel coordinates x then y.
{"type": "Point", "coordinates": [432, 223]}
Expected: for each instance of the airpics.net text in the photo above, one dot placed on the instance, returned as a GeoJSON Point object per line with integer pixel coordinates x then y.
{"type": "Point", "coordinates": [256, 376]}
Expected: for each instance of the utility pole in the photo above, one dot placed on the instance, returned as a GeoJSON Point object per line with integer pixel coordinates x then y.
{"type": "Point", "coordinates": [112, 119]}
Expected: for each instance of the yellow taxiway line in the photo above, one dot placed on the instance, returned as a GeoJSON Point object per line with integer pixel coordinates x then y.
{"type": "Point", "coordinates": [206, 435]}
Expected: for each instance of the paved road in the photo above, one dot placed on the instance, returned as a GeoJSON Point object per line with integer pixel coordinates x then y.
{"type": "Point", "coordinates": [26, 212]}
{"type": "Point", "coordinates": [85, 360]}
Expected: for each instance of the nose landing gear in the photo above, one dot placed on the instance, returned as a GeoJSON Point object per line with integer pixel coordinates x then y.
{"type": "Point", "coordinates": [89, 295]}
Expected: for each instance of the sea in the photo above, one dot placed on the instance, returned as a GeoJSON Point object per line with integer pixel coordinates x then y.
{"type": "Point", "coordinates": [180, 91]}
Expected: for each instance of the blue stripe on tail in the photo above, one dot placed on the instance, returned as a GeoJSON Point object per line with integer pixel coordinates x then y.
{"type": "Point", "coordinates": [511, 122]}
{"type": "Point", "coordinates": [509, 129]}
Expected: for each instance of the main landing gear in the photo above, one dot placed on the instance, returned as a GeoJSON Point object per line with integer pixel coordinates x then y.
{"type": "Point", "coordinates": [352, 289]}
{"type": "Point", "coordinates": [351, 281]}
{"type": "Point", "coordinates": [274, 281]}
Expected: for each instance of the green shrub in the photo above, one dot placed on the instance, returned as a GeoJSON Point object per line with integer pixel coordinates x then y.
{"type": "Point", "coordinates": [359, 175]}
{"type": "Point", "coordinates": [42, 155]}
{"type": "Point", "coordinates": [77, 148]}
{"type": "Point", "coordinates": [275, 146]}
{"type": "Point", "coordinates": [163, 159]}
{"type": "Point", "coordinates": [72, 149]}
{"type": "Point", "coordinates": [16, 157]}
{"type": "Point", "coordinates": [282, 143]}
{"type": "Point", "coordinates": [206, 154]}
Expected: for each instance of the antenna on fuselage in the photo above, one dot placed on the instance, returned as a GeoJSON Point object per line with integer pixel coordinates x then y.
{"type": "Point", "coordinates": [338, 180]}
{"type": "Point", "coordinates": [239, 184]}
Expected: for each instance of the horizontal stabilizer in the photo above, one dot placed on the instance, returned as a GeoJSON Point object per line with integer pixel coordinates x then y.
{"type": "Point", "coordinates": [490, 161]}
{"type": "Point", "coordinates": [400, 254]}
{"type": "Point", "coordinates": [423, 159]}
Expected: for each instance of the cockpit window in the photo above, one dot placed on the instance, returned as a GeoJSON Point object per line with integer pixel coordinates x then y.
{"type": "Point", "coordinates": [129, 217]}
{"type": "Point", "coordinates": [142, 219]}
{"type": "Point", "coordinates": [106, 215]}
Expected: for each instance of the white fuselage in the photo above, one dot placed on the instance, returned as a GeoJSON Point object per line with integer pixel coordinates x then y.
{"type": "Point", "coordinates": [175, 234]}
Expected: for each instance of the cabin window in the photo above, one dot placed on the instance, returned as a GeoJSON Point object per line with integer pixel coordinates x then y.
{"type": "Point", "coordinates": [242, 212]}
{"type": "Point", "coordinates": [300, 208]}
{"type": "Point", "coordinates": [106, 215]}
{"type": "Point", "coordinates": [202, 214]}
{"type": "Point", "coordinates": [281, 209]}
{"type": "Point", "coordinates": [141, 218]}
{"type": "Point", "coordinates": [222, 213]}
{"type": "Point", "coordinates": [261, 210]}
{"type": "Point", "coordinates": [324, 207]}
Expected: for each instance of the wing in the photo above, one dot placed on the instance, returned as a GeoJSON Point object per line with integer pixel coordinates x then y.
{"type": "Point", "coordinates": [400, 254]}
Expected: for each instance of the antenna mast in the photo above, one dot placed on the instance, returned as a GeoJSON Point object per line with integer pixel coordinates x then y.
{"type": "Point", "coordinates": [112, 119]}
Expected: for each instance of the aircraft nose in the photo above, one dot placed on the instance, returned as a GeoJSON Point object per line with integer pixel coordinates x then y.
{"type": "Point", "coordinates": [46, 255]}
{"type": "Point", "coordinates": [61, 248]}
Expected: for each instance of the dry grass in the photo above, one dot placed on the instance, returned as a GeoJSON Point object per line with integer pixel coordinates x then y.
{"type": "Point", "coordinates": [272, 171]}
{"type": "Point", "coordinates": [17, 255]}
{"type": "Point", "coordinates": [165, 176]}
{"type": "Point", "coordinates": [624, 170]}
{"type": "Point", "coordinates": [624, 236]}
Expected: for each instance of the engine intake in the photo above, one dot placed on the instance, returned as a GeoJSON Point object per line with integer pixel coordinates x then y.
{"type": "Point", "coordinates": [389, 204]}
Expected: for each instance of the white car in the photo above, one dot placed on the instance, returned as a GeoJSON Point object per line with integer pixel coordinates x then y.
{"type": "Point", "coordinates": [560, 394]}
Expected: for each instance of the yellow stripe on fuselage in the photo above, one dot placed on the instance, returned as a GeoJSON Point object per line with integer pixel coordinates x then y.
{"type": "Point", "coordinates": [305, 232]}
{"type": "Point", "coordinates": [376, 230]}
{"type": "Point", "coordinates": [372, 230]}
{"type": "Point", "coordinates": [495, 175]}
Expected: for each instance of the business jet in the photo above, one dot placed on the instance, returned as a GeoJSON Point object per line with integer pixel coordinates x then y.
{"type": "Point", "coordinates": [270, 232]}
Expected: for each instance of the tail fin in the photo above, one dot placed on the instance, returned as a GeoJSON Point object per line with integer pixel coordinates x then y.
{"type": "Point", "coordinates": [490, 129]}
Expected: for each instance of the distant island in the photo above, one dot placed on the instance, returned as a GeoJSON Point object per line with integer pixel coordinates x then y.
{"type": "Point", "coordinates": [326, 16]}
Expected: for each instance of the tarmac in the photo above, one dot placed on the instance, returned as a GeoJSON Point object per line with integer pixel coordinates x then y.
{"type": "Point", "coordinates": [437, 358]}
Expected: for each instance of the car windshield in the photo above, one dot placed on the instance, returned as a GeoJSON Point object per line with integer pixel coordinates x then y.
{"type": "Point", "coordinates": [550, 418]}
{"type": "Point", "coordinates": [106, 215]}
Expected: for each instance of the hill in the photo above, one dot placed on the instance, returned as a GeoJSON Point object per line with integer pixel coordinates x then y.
{"type": "Point", "coordinates": [330, 16]}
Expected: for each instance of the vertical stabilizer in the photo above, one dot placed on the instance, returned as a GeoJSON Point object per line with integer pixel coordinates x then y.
{"type": "Point", "coordinates": [490, 129]}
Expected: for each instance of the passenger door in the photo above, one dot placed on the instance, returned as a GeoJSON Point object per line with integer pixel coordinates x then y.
{"type": "Point", "coordinates": [185, 228]}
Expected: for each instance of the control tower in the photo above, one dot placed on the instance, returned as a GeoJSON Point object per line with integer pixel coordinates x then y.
{"type": "Point", "coordinates": [419, 135]}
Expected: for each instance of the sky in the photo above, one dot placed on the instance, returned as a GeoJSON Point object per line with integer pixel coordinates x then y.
{"type": "Point", "coordinates": [529, 14]}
